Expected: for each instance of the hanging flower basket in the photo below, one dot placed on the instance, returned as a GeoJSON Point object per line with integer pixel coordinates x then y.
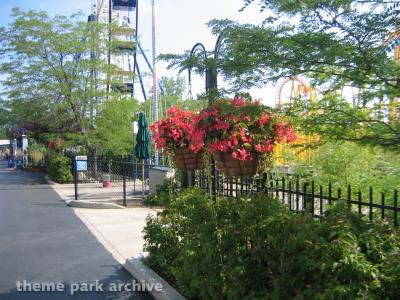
{"type": "Point", "coordinates": [174, 134]}
{"type": "Point", "coordinates": [186, 160]}
{"type": "Point", "coordinates": [231, 166]}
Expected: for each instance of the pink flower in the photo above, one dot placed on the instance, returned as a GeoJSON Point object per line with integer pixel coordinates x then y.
{"type": "Point", "coordinates": [238, 102]}
{"type": "Point", "coordinates": [172, 110]}
{"type": "Point", "coordinates": [246, 118]}
{"type": "Point", "coordinates": [241, 132]}
{"type": "Point", "coordinates": [175, 131]}
{"type": "Point", "coordinates": [258, 148]}
{"type": "Point", "coordinates": [264, 119]}
{"type": "Point", "coordinates": [242, 154]}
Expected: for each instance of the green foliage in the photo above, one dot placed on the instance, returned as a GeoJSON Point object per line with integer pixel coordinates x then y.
{"type": "Point", "coordinates": [163, 194]}
{"type": "Point", "coordinates": [113, 132]}
{"type": "Point", "coordinates": [3, 120]}
{"type": "Point", "coordinates": [34, 146]}
{"type": "Point", "coordinates": [343, 163]}
{"type": "Point", "coordinates": [36, 153]}
{"type": "Point", "coordinates": [173, 96]}
{"type": "Point", "coordinates": [335, 119]}
{"type": "Point", "coordinates": [63, 95]}
{"type": "Point", "coordinates": [337, 44]}
{"type": "Point", "coordinates": [59, 167]}
{"type": "Point", "coordinates": [3, 133]}
{"type": "Point", "coordinates": [257, 248]}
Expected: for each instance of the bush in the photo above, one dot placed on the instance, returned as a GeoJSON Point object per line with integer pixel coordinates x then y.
{"type": "Point", "coordinates": [59, 168]}
{"type": "Point", "coordinates": [161, 197]}
{"type": "Point", "coordinates": [247, 249]}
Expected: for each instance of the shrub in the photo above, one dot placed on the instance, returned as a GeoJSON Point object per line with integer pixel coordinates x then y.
{"type": "Point", "coordinates": [238, 249]}
{"type": "Point", "coordinates": [164, 192]}
{"type": "Point", "coordinates": [59, 168]}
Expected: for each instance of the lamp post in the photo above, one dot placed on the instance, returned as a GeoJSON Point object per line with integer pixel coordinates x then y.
{"type": "Point", "coordinates": [211, 87]}
{"type": "Point", "coordinates": [211, 71]}
{"type": "Point", "coordinates": [134, 131]}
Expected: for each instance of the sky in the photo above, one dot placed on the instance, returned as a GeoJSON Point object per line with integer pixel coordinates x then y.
{"type": "Point", "coordinates": [179, 25]}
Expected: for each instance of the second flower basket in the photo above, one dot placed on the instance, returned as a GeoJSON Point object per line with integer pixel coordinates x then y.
{"type": "Point", "coordinates": [184, 159]}
{"type": "Point", "coordinates": [233, 167]}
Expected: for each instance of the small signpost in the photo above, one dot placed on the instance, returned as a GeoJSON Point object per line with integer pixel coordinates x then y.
{"type": "Point", "coordinates": [81, 162]}
{"type": "Point", "coordinates": [80, 165]}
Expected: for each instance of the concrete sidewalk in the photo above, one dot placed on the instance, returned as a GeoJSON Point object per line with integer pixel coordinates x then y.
{"type": "Point", "coordinates": [120, 232]}
{"type": "Point", "coordinates": [95, 192]}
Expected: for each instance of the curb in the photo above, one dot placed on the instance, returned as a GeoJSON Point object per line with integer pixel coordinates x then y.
{"type": "Point", "coordinates": [93, 204]}
{"type": "Point", "coordinates": [49, 181]}
{"type": "Point", "coordinates": [83, 203]}
{"type": "Point", "coordinates": [143, 273]}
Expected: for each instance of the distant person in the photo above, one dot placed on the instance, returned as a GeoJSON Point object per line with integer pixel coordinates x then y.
{"type": "Point", "coordinates": [7, 154]}
{"type": "Point", "coordinates": [25, 159]}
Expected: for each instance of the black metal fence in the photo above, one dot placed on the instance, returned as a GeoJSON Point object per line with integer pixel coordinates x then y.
{"type": "Point", "coordinates": [301, 194]}
{"type": "Point", "coordinates": [123, 179]}
{"type": "Point", "coordinates": [117, 179]}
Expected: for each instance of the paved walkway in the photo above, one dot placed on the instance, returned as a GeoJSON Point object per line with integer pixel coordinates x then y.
{"type": "Point", "coordinates": [95, 191]}
{"type": "Point", "coordinates": [119, 230]}
{"type": "Point", "coordinates": [42, 240]}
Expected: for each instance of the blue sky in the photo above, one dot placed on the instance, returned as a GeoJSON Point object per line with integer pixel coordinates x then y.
{"type": "Point", "coordinates": [179, 25]}
{"type": "Point", "coordinates": [53, 7]}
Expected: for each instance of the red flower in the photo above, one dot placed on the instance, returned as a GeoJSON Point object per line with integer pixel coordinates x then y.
{"type": "Point", "coordinates": [242, 154]}
{"type": "Point", "coordinates": [176, 131]}
{"type": "Point", "coordinates": [238, 102]}
{"type": "Point", "coordinates": [228, 126]}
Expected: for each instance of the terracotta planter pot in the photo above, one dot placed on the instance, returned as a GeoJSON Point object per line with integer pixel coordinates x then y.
{"type": "Point", "coordinates": [234, 167]}
{"type": "Point", "coordinates": [184, 159]}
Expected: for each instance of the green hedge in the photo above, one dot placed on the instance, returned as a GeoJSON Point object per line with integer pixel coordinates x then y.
{"type": "Point", "coordinates": [163, 194]}
{"type": "Point", "coordinates": [258, 249]}
{"type": "Point", "coordinates": [59, 168]}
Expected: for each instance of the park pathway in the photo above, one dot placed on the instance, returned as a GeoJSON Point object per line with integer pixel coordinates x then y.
{"type": "Point", "coordinates": [43, 241]}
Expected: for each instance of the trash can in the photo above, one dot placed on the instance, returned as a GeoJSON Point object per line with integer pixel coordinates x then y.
{"type": "Point", "coordinates": [106, 181]}
{"type": "Point", "coordinates": [19, 164]}
{"type": "Point", "coordinates": [10, 163]}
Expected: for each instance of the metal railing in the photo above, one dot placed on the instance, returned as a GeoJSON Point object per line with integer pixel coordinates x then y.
{"type": "Point", "coordinates": [117, 179]}
{"type": "Point", "coordinates": [301, 194]}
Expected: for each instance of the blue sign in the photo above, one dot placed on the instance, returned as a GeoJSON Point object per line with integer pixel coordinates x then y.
{"type": "Point", "coordinates": [81, 165]}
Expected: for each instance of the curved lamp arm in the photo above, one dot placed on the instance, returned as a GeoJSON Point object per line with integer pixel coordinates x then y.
{"type": "Point", "coordinates": [197, 47]}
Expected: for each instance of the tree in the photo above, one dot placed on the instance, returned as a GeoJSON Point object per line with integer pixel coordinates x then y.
{"type": "Point", "coordinates": [336, 44]}
{"type": "Point", "coordinates": [173, 93]}
{"type": "Point", "coordinates": [173, 96]}
{"type": "Point", "coordinates": [3, 120]}
{"type": "Point", "coordinates": [113, 132]}
{"type": "Point", "coordinates": [51, 63]}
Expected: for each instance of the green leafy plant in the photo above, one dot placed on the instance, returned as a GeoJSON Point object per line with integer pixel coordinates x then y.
{"type": "Point", "coordinates": [59, 167]}
{"type": "Point", "coordinates": [163, 194]}
{"type": "Point", "coordinates": [258, 248]}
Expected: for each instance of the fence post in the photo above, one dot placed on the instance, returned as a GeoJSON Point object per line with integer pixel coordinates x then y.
{"type": "Point", "coordinates": [185, 181]}
{"type": "Point", "coordinates": [304, 208]}
{"type": "Point", "coordinates": [395, 207]}
{"type": "Point", "coordinates": [75, 178]}
{"type": "Point", "coordinates": [312, 197]}
{"type": "Point", "coordinates": [191, 179]}
{"type": "Point", "coordinates": [124, 181]}
{"type": "Point", "coordinates": [213, 180]}
{"type": "Point", "coordinates": [371, 201]}
{"type": "Point", "coordinates": [264, 183]}
{"type": "Point", "coordinates": [349, 197]}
